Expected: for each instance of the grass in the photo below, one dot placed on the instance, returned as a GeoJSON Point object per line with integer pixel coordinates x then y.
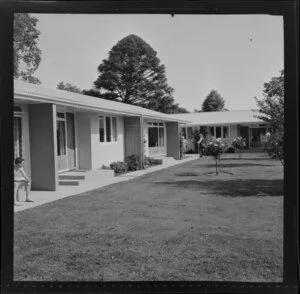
{"type": "Point", "coordinates": [181, 223]}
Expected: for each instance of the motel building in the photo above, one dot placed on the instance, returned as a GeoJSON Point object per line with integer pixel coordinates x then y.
{"type": "Point", "coordinates": [56, 131]}
{"type": "Point", "coordinates": [226, 124]}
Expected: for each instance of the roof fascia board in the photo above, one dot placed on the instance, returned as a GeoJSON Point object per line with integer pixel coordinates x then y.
{"type": "Point", "coordinates": [54, 100]}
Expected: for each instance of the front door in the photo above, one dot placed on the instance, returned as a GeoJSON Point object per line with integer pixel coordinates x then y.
{"type": "Point", "coordinates": [65, 141]}
{"type": "Point", "coordinates": [156, 139]}
{"type": "Point", "coordinates": [244, 132]}
{"type": "Point", "coordinates": [71, 140]}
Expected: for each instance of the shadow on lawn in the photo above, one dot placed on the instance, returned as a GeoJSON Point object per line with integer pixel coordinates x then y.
{"type": "Point", "coordinates": [243, 159]}
{"type": "Point", "coordinates": [233, 164]}
{"type": "Point", "coordinates": [232, 188]}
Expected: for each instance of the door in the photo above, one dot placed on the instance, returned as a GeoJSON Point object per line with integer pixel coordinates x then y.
{"type": "Point", "coordinates": [62, 159]}
{"type": "Point", "coordinates": [156, 139]}
{"type": "Point", "coordinates": [71, 141]}
{"type": "Point", "coordinates": [244, 132]}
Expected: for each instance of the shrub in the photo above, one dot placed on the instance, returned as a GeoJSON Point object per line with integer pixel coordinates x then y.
{"type": "Point", "coordinates": [230, 150]}
{"type": "Point", "coordinates": [215, 147]}
{"type": "Point", "coordinates": [119, 166]}
{"type": "Point", "coordinates": [239, 143]}
{"type": "Point", "coordinates": [133, 162]}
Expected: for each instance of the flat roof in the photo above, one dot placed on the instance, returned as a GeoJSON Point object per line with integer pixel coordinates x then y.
{"type": "Point", "coordinates": [220, 117]}
{"type": "Point", "coordinates": [37, 93]}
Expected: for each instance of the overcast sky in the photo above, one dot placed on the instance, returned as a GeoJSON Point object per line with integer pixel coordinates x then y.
{"type": "Point", "coordinates": [234, 55]}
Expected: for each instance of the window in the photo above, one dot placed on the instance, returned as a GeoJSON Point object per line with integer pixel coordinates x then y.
{"type": "Point", "coordinates": [153, 137]}
{"type": "Point", "coordinates": [156, 135]}
{"type": "Point", "coordinates": [18, 136]}
{"type": "Point", "coordinates": [189, 133]}
{"type": "Point", "coordinates": [225, 132]}
{"type": "Point", "coordinates": [218, 132]}
{"type": "Point", "coordinates": [61, 137]}
{"type": "Point", "coordinates": [107, 129]}
{"type": "Point", "coordinates": [161, 137]}
{"type": "Point", "coordinates": [101, 128]}
{"type": "Point", "coordinates": [211, 131]}
{"type": "Point", "coordinates": [114, 129]}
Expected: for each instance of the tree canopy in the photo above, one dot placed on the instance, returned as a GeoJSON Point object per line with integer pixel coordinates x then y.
{"type": "Point", "coordinates": [68, 87]}
{"type": "Point", "coordinates": [213, 102]}
{"type": "Point", "coordinates": [27, 54]}
{"type": "Point", "coordinates": [271, 106]}
{"type": "Point", "coordinates": [132, 74]}
{"type": "Point", "coordinates": [271, 109]}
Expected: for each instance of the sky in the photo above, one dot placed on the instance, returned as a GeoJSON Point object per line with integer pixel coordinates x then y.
{"type": "Point", "coordinates": [233, 54]}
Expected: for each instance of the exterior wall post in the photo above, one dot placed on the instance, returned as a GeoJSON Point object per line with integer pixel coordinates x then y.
{"type": "Point", "coordinates": [173, 143]}
{"type": "Point", "coordinates": [42, 132]}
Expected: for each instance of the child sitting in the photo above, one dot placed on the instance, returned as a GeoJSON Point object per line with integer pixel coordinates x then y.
{"type": "Point", "coordinates": [21, 179]}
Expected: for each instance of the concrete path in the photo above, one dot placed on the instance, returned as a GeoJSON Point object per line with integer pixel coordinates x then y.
{"type": "Point", "coordinates": [42, 197]}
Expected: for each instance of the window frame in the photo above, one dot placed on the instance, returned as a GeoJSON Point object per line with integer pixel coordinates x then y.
{"type": "Point", "coordinates": [113, 139]}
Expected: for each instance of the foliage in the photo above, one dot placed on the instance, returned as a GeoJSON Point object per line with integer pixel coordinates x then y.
{"type": "Point", "coordinates": [27, 54]}
{"type": "Point", "coordinates": [68, 87]}
{"type": "Point", "coordinates": [271, 106]}
{"type": "Point", "coordinates": [271, 109]}
{"type": "Point", "coordinates": [133, 162]}
{"type": "Point", "coordinates": [274, 146]}
{"type": "Point", "coordinates": [213, 102]}
{"type": "Point", "coordinates": [230, 150]}
{"type": "Point", "coordinates": [239, 142]}
{"type": "Point", "coordinates": [119, 166]}
{"type": "Point", "coordinates": [132, 74]}
{"type": "Point", "coordinates": [216, 147]}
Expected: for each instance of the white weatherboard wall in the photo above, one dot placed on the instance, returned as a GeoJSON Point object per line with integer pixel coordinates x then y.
{"type": "Point", "coordinates": [232, 133]}
{"type": "Point", "coordinates": [104, 153]}
{"type": "Point", "coordinates": [25, 138]}
{"type": "Point", "coordinates": [145, 133]}
{"type": "Point", "coordinates": [83, 140]}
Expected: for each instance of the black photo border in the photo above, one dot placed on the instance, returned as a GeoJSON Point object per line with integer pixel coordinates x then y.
{"type": "Point", "coordinates": [289, 9]}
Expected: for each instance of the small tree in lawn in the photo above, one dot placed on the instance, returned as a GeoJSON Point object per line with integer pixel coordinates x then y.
{"type": "Point", "coordinates": [215, 147]}
{"type": "Point", "coordinates": [239, 143]}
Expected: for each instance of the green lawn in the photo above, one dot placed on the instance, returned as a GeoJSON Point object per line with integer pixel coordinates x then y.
{"type": "Point", "coordinates": [182, 223]}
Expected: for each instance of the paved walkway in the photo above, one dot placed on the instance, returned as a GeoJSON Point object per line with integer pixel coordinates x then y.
{"type": "Point", "coordinates": [42, 197]}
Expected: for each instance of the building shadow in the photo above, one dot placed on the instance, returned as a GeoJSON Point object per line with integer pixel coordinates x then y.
{"type": "Point", "coordinates": [231, 188]}
{"type": "Point", "coordinates": [224, 165]}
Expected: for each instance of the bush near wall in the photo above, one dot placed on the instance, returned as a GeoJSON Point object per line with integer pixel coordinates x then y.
{"type": "Point", "coordinates": [119, 167]}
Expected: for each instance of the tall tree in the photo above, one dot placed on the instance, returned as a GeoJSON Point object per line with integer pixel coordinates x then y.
{"type": "Point", "coordinates": [271, 106]}
{"type": "Point", "coordinates": [27, 54]}
{"type": "Point", "coordinates": [213, 102]}
{"type": "Point", "coordinates": [132, 74]}
{"type": "Point", "coordinates": [271, 109]}
{"type": "Point", "coordinates": [68, 87]}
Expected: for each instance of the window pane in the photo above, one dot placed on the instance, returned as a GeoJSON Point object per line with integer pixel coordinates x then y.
{"type": "Point", "coordinates": [101, 129]}
{"type": "Point", "coordinates": [114, 129]}
{"type": "Point", "coordinates": [153, 137]}
{"type": "Point", "coordinates": [212, 131]}
{"type": "Point", "coordinates": [161, 124]}
{"type": "Point", "coordinates": [161, 139]}
{"type": "Point", "coordinates": [225, 132]}
{"type": "Point", "coordinates": [184, 132]}
{"type": "Point", "coordinates": [189, 133]}
{"type": "Point", "coordinates": [155, 124]}
{"type": "Point", "coordinates": [17, 137]}
{"type": "Point", "coordinates": [60, 114]}
{"type": "Point", "coordinates": [108, 129]}
{"type": "Point", "coordinates": [61, 138]}
{"type": "Point", "coordinates": [218, 132]}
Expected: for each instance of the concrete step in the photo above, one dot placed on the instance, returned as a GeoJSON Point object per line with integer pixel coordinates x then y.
{"type": "Point", "coordinates": [71, 177]}
{"type": "Point", "coordinates": [68, 183]}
